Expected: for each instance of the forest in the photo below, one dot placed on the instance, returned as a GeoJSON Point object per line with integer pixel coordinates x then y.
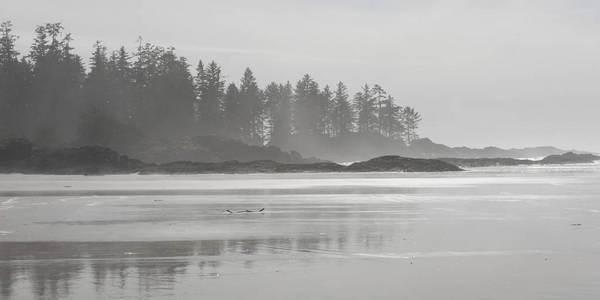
{"type": "Point", "coordinates": [52, 97]}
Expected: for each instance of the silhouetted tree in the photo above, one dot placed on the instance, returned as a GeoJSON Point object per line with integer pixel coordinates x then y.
{"type": "Point", "coordinates": [411, 120]}
{"type": "Point", "coordinates": [97, 86]}
{"type": "Point", "coordinates": [391, 119]}
{"type": "Point", "coordinates": [251, 99]}
{"type": "Point", "coordinates": [325, 108]}
{"type": "Point", "coordinates": [120, 76]}
{"type": "Point", "coordinates": [15, 80]}
{"type": "Point", "coordinates": [57, 79]}
{"type": "Point", "coordinates": [232, 112]}
{"type": "Point", "coordinates": [48, 97]}
{"type": "Point", "coordinates": [278, 101]}
{"type": "Point", "coordinates": [306, 106]}
{"type": "Point", "coordinates": [365, 106]}
{"type": "Point", "coordinates": [210, 87]}
{"type": "Point", "coordinates": [379, 96]}
{"type": "Point", "coordinates": [342, 114]}
{"type": "Point", "coordinates": [175, 89]}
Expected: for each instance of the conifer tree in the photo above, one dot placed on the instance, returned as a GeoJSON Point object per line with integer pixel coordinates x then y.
{"type": "Point", "coordinates": [306, 106]}
{"type": "Point", "coordinates": [251, 98]}
{"type": "Point", "coordinates": [15, 77]}
{"type": "Point", "coordinates": [411, 120]}
{"type": "Point", "coordinates": [211, 88]}
{"type": "Point", "coordinates": [278, 101]}
{"type": "Point", "coordinates": [342, 115]}
{"type": "Point", "coordinates": [232, 112]}
{"type": "Point", "coordinates": [379, 96]}
{"type": "Point", "coordinates": [391, 122]}
{"type": "Point", "coordinates": [365, 106]}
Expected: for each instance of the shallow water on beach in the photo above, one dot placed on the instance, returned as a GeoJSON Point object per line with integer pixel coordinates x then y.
{"type": "Point", "coordinates": [489, 233]}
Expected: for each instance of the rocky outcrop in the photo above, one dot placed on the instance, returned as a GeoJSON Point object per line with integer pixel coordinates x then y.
{"type": "Point", "coordinates": [570, 158]}
{"type": "Point", "coordinates": [95, 160]}
{"type": "Point", "coordinates": [566, 158]}
{"type": "Point", "coordinates": [487, 162]}
{"type": "Point", "coordinates": [394, 163]}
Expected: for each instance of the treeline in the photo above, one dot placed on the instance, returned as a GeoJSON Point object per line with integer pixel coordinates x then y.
{"type": "Point", "coordinates": [48, 96]}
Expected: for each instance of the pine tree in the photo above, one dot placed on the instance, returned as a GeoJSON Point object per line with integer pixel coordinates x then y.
{"type": "Point", "coordinates": [211, 91]}
{"type": "Point", "coordinates": [342, 115]}
{"type": "Point", "coordinates": [365, 106]}
{"type": "Point", "coordinates": [8, 54]}
{"type": "Point", "coordinates": [251, 98]}
{"type": "Point", "coordinates": [57, 79]}
{"type": "Point", "coordinates": [97, 85]}
{"type": "Point", "coordinates": [120, 76]}
{"type": "Point", "coordinates": [325, 108]}
{"type": "Point", "coordinates": [176, 96]}
{"type": "Point", "coordinates": [391, 121]}
{"type": "Point", "coordinates": [232, 112]}
{"type": "Point", "coordinates": [278, 101]}
{"type": "Point", "coordinates": [306, 106]}
{"type": "Point", "coordinates": [411, 120]}
{"type": "Point", "coordinates": [379, 96]}
{"type": "Point", "coordinates": [15, 77]}
{"type": "Point", "coordinates": [145, 98]}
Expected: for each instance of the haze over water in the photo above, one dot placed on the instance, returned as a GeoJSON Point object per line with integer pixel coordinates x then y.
{"type": "Point", "coordinates": [490, 233]}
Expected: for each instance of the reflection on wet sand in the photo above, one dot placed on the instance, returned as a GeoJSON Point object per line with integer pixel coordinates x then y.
{"type": "Point", "coordinates": [52, 268]}
{"type": "Point", "coordinates": [500, 234]}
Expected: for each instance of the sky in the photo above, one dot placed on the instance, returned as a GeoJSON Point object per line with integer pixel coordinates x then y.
{"type": "Point", "coordinates": [508, 73]}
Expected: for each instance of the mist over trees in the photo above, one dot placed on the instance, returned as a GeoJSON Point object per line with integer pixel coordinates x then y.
{"type": "Point", "coordinates": [48, 96]}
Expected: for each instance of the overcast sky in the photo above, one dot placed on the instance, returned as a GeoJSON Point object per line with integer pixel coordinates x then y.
{"type": "Point", "coordinates": [509, 73]}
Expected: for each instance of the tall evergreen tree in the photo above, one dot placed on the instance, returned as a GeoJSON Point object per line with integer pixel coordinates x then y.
{"type": "Point", "coordinates": [57, 79]}
{"type": "Point", "coordinates": [324, 109]}
{"type": "Point", "coordinates": [120, 76]}
{"type": "Point", "coordinates": [211, 89]}
{"type": "Point", "coordinates": [232, 112]}
{"type": "Point", "coordinates": [379, 96]}
{"type": "Point", "coordinates": [175, 87]}
{"type": "Point", "coordinates": [145, 71]}
{"type": "Point", "coordinates": [365, 106]}
{"type": "Point", "coordinates": [97, 87]}
{"type": "Point", "coordinates": [391, 119]}
{"type": "Point", "coordinates": [251, 98]}
{"type": "Point", "coordinates": [278, 100]}
{"type": "Point", "coordinates": [15, 77]}
{"type": "Point", "coordinates": [306, 106]}
{"type": "Point", "coordinates": [342, 115]}
{"type": "Point", "coordinates": [411, 120]}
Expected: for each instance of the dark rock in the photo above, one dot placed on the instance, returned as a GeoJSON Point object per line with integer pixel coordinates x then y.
{"type": "Point", "coordinates": [487, 162]}
{"type": "Point", "coordinates": [566, 158]}
{"type": "Point", "coordinates": [95, 160]}
{"type": "Point", "coordinates": [394, 163]}
{"type": "Point", "coordinates": [12, 149]}
{"type": "Point", "coordinates": [570, 158]}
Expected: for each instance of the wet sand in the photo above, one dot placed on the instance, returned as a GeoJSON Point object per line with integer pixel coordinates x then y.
{"type": "Point", "coordinates": [490, 233]}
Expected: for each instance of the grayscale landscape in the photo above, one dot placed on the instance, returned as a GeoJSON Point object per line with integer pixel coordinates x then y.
{"type": "Point", "coordinates": [511, 232]}
{"type": "Point", "coordinates": [299, 149]}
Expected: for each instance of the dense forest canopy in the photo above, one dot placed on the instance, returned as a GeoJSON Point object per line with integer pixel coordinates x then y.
{"type": "Point", "coordinates": [47, 95]}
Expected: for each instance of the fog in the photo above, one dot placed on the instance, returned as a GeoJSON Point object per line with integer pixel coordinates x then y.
{"type": "Point", "coordinates": [504, 73]}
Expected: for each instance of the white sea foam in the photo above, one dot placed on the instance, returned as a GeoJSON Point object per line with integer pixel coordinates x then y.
{"type": "Point", "coordinates": [9, 201]}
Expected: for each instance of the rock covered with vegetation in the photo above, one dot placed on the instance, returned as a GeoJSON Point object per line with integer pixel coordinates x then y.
{"type": "Point", "coordinates": [565, 158]}
{"type": "Point", "coordinates": [20, 156]}
{"type": "Point", "coordinates": [488, 162]}
{"type": "Point", "coordinates": [570, 158]}
{"type": "Point", "coordinates": [394, 163]}
{"type": "Point", "coordinates": [76, 160]}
